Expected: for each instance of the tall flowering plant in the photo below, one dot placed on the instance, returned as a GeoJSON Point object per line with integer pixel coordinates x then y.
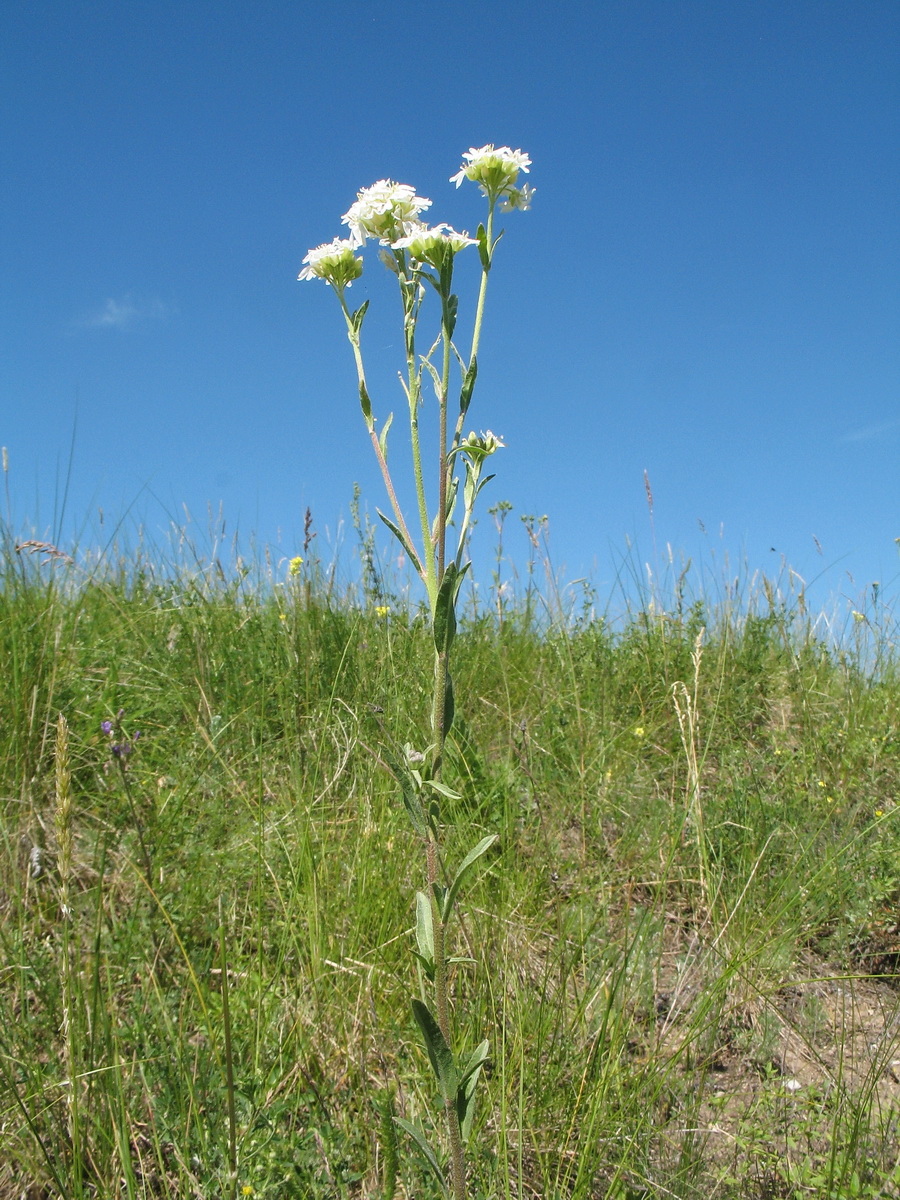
{"type": "Point", "coordinates": [422, 258]}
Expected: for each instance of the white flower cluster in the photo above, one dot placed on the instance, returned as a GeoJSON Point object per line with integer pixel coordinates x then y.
{"type": "Point", "coordinates": [334, 262]}
{"type": "Point", "coordinates": [386, 210]}
{"type": "Point", "coordinates": [430, 245]}
{"type": "Point", "coordinates": [495, 170]}
{"type": "Point", "coordinates": [390, 212]}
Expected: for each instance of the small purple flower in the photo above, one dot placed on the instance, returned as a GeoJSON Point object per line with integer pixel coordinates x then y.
{"type": "Point", "coordinates": [107, 728]}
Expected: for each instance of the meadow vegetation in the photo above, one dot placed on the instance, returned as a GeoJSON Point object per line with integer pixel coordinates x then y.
{"type": "Point", "coordinates": [685, 940]}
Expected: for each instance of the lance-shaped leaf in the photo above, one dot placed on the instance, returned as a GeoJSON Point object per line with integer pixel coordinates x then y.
{"type": "Point", "coordinates": [445, 612]}
{"type": "Point", "coordinates": [452, 310]}
{"type": "Point", "coordinates": [452, 489]}
{"type": "Point", "coordinates": [432, 371]}
{"type": "Point", "coordinates": [444, 625]}
{"type": "Point", "coordinates": [465, 1092]}
{"type": "Point", "coordinates": [452, 492]}
{"type": "Point", "coordinates": [464, 868]}
{"type": "Point", "coordinates": [425, 933]}
{"type": "Point", "coordinates": [416, 814]}
{"type": "Point", "coordinates": [449, 705]}
{"type": "Point", "coordinates": [366, 404]}
{"type": "Point", "coordinates": [442, 789]}
{"type": "Point", "coordinates": [418, 1136]}
{"type": "Point", "coordinates": [468, 385]}
{"type": "Point", "coordinates": [439, 1053]}
{"type": "Point", "coordinates": [382, 439]}
{"type": "Point", "coordinates": [356, 319]}
{"type": "Point", "coordinates": [484, 252]}
{"type": "Point", "coordinates": [474, 1062]}
{"type": "Point", "coordinates": [408, 788]}
{"type": "Point", "coordinates": [473, 485]}
{"type": "Point", "coordinates": [398, 534]}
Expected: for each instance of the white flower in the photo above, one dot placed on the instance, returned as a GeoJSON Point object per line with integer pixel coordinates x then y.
{"type": "Point", "coordinates": [479, 448]}
{"type": "Point", "coordinates": [334, 262]}
{"type": "Point", "coordinates": [494, 169]}
{"type": "Point", "coordinates": [518, 198]}
{"type": "Point", "coordinates": [386, 210]}
{"type": "Point", "coordinates": [430, 245]}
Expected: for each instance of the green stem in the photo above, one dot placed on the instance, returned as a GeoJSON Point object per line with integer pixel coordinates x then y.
{"type": "Point", "coordinates": [479, 312]}
{"type": "Point", "coordinates": [353, 336]}
{"type": "Point", "coordinates": [443, 471]}
{"type": "Point", "coordinates": [438, 709]}
{"type": "Point", "coordinates": [454, 1133]}
{"type": "Point", "coordinates": [482, 293]}
{"type": "Point", "coordinates": [408, 288]}
{"type": "Point", "coordinates": [430, 575]}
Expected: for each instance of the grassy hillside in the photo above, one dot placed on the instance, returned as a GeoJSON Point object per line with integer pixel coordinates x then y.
{"type": "Point", "coordinates": [685, 943]}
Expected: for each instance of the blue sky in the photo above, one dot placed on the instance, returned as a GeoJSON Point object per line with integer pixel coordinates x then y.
{"type": "Point", "coordinates": [707, 287]}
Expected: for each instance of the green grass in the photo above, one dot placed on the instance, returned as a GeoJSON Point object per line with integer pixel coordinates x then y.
{"type": "Point", "coordinates": [686, 943]}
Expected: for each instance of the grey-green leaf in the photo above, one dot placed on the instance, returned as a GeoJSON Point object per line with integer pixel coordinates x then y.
{"type": "Point", "coordinates": [484, 252]}
{"type": "Point", "coordinates": [445, 611]}
{"type": "Point", "coordinates": [465, 1103]}
{"type": "Point", "coordinates": [439, 1053]}
{"type": "Point", "coordinates": [365, 403]}
{"type": "Point", "coordinates": [356, 319]}
{"type": "Point", "coordinates": [464, 868]}
{"type": "Point", "coordinates": [452, 310]}
{"type": "Point", "coordinates": [465, 395]}
{"type": "Point", "coordinates": [395, 530]}
{"type": "Point", "coordinates": [465, 1093]}
{"type": "Point", "coordinates": [382, 440]}
{"type": "Point", "coordinates": [425, 928]}
{"type": "Point", "coordinates": [419, 1138]}
{"type": "Point", "coordinates": [475, 1060]}
{"type": "Point", "coordinates": [442, 790]}
{"type": "Point", "coordinates": [449, 705]}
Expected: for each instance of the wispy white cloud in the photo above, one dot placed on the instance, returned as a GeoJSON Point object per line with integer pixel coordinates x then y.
{"type": "Point", "coordinates": [125, 312]}
{"type": "Point", "coordinates": [866, 432]}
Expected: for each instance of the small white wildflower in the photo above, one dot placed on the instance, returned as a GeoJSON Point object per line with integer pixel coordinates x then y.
{"type": "Point", "coordinates": [518, 198]}
{"type": "Point", "coordinates": [430, 245]}
{"type": "Point", "coordinates": [494, 169]}
{"type": "Point", "coordinates": [334, 262]}
{"type": "Point", "coordinates": [479, 447]}
{"type": "Point", "coordinates": [386, 210]}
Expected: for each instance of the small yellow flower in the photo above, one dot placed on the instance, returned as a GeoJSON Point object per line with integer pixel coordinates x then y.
{"type": "Point", "coordinates": [282, 617]}
{"type": "Point", "coordinates": [639, 731]}
{"type": "Point", "coordinates": [608, 775]}
{"type": "Point", "coordinates": [381, 610]}
{"type": "Point", "coordinates": [779, 751]}
{"type": "Point", "coordinates": [821, 783]}
{"type": "Point", "coordinates": [295, 564]}
{"type": "Point", "coordinates": [858, 616]}
{"type": "Point", "coordinates": [879, 812]}
{"type": "Point", "coordinates": [246, 1190]}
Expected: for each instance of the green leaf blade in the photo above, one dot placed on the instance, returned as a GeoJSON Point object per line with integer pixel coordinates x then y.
{"type": "Point", "coordinates": [439, 1053]}
{"type": "Point", "coordinates": [464, 868]}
